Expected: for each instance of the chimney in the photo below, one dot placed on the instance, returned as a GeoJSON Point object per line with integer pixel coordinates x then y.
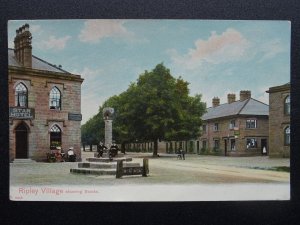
{"type": "Point", "coordinates": [245, 95]}
{"type": "Point", "coordinates": [23, 48]}
{"type": "Point", "coordinates": [215, 102]}
{"type": "Point", "coordinates": [231, 98]}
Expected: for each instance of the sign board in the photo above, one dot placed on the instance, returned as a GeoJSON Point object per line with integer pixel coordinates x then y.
{"type": "Point", "coordinates": [21, 113]}
{"type": "Point", "coordinates": [75, 116]}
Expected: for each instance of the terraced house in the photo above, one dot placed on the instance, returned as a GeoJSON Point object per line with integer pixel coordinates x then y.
{"type": "Point", "coordinates": [236, 128]}
{"type": "Point", "coordinates": [44, 103]}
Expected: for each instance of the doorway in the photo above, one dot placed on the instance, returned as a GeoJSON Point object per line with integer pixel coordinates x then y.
{"type": "Point", "coordinates": [21, 141]}
{"type": "Point", "coordinates": [225, 145]}
{"type": "Point", "coordinates": [264, 145]}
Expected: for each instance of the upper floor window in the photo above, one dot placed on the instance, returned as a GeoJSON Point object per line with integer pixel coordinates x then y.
{"type": "Point", "coordinates": [204, 128]}
{"type": "Point", "coordinates": [216, 127]}
{"type": "Point", "coordinates": [55, 99]}
{"type": "Point", "coordinates": [251, 123]}
{"type": "Point", "coordinates": [232, 124]}
{"type": "Point", "coordinates": [287, 105]}
{"type": "Point", "coordinates": [21, 95]}
{"type": "Point", "coordinates": [287, 137]}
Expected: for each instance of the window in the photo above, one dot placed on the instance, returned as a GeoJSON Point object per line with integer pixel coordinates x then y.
{"type": "Point", "coordinates": [216, 144]}
{"type": "Point", "coordinates": [216, 127]}
{"type": "Point", "coordinates": [251, 143]}
{"type": "Point", "coordinates": [232, 144]}
{"type": "Point", "coordinates": [204, 128]}
{"type": "Point", "coordinates": [251, 123]}
{"type": "Point", "coordinates": [55, 137]}
{"type": "Point", "coordinates": [232, 124]}
{"type": "Point", "coordinates": [204, 145]}
{"type": "Point", "coordinates": [55, 99]}
{"type": "Point", "coordinates": [287, 137]}
{"type": "Point", "coordinates": [287, 105]}
{"type": "Point", "coordinates": [21, 95]}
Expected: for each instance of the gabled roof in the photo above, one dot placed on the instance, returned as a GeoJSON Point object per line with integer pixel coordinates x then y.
{"type": "Point", "coordinates": [37, 63]}
{"type": "Point", "coordinates": [247, 107]}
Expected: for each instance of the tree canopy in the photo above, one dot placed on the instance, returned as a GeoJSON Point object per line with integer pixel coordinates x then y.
{"type": "Point", "coordinates": [155, 107]}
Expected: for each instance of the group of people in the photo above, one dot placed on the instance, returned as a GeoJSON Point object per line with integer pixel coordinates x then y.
{"type": "Point", "coordinates": [113, 150]}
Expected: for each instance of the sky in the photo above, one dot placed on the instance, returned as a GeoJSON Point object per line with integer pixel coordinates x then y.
{"type": "Point", "coordinates": [216, 57]}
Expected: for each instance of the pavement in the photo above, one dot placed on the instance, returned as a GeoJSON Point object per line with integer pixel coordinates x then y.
{"type": "Point", "coordinates": [249, 177]}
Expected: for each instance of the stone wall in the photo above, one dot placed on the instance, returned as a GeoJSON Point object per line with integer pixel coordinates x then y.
{"type": "Point", "coordinates": [278, 121]}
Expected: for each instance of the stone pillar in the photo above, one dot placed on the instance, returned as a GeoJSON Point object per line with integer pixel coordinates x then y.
{"type": "Point", "coordinates": [108, 133]}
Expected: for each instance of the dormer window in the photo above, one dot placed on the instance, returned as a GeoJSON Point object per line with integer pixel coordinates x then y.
{"type": "Point", "coordinates": [55, 99]}
{"type": "Point", "coordinates": [21, 95]}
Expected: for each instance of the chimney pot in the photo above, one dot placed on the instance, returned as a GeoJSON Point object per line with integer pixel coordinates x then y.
{"type": "Point", "coordinates": [244, 95]}
{"type": "Point", "coordinates": [215, 101]}
{"type": "Point", "coordinates": [231, 98]}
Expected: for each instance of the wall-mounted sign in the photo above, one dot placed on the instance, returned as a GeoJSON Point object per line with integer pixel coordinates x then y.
{"type": "Point", "coordinates": [21, 113]}
{"type": "Point", "coordinates": [75, 116]}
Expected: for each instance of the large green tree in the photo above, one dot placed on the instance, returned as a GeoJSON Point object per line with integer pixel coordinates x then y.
{"type": "Point", "coordinates": [154, 108]}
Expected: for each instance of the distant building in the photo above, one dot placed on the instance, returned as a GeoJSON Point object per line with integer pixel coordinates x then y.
{"type": "Point", "coordinates": [44, 103]}
{"type": "Point", "coordinates": [236, 128]}
{"type": "Point", "coordinates": [279, 121]}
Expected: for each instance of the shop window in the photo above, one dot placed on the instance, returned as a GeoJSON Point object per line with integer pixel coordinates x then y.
{"type": "Point", "coordinates": [55, 99]}
{"type": "Point", "coordinates": [55, 137]}
{"type": "Point", "coordinates": [287, 105]}
{"type": "Point", "coordinates": [251, 123]}
{"type": "Point", "coordinates": [21, 95]}
{"type": "Point", "coordinates": [251, 143]}
{"type": "Point", "coordinates": [287, 137]}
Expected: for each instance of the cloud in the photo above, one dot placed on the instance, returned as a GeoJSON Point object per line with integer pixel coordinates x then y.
{"type": "Point", "coordinates": [229, 46]}
{"type": "Point", "coordinates": [54, 43]}
{"type": "Point", "coordinates": [95, 30]}
{"type": "Point", "coordinates": [271, 49]}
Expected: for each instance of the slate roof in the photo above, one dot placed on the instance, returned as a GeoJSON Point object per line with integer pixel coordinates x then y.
{"type": "Point", "coordinates": [37, 63]}
{"type": "Point", "coordinates": [246, 107]}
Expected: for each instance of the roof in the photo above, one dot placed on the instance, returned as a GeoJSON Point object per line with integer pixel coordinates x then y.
{"type": "Point", "coordinates": [246, 107]}
{"type": "Point", "coordinates": [284, 87]}
{"type": "Point", "coordinates": [37, 63]}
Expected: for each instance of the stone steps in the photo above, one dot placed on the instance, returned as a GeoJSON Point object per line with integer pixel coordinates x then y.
{"type": "Point", "coordinates": [107, 160]}
{"type": "Point", "coordinates": [23, 161]}
{"type": "Point", "coordinates": [111, 165]}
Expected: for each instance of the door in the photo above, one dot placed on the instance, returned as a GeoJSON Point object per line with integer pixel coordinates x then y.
{"type": "Point", "coordinates": [225, 144]}
{"type": "Point", "coordinates": [21, 141]}
{"type": "Point", "coordinates": [264, 149]}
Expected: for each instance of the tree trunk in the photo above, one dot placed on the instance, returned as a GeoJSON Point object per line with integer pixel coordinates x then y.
{"type": "Point", "coordinates": [155, 148]}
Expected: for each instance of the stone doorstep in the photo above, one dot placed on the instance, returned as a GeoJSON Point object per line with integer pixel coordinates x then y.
{"type": "Point", "coordinates": [23, 161]}
{"type": "Point", "coordinates": [94, 171]}
{"type": "Point", "coordinates": [100, 165]}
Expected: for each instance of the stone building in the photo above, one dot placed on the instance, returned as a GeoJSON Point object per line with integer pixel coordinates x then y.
{"type": "Point", "coordinates": [236, 128]}
{"type": "Point", "coordinates": [279, 121]}
{"type": "Point", "coordinates": [44, 103]}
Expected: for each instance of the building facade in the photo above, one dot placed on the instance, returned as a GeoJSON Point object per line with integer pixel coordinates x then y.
{"type": "Point", "coordinates": [44, 103]}
{"type": "Point", "coordinates": [279, 121]}
{"type": "Point", "coordinates": [236, 128]}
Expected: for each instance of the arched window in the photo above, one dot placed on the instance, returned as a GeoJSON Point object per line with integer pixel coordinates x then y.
{"type": "Point", "coordinates": [55, 137]}
{"type": "Point", "coordinates": [21, 95]}
{"type": "Point", "coordinates": [287, 105]}
{"type": "Point", "coordinates": [55, 99]}
{"type": "Point", "coordinates": [287, 135]}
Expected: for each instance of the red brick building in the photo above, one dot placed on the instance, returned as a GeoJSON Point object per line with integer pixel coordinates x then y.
{"type": "Point", "coordinates": [236, 128]}
{"type": "Point", "coordinates": [44, 103]}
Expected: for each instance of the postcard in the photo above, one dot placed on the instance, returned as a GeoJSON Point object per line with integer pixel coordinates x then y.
{"type": "Point", "coordinates": [157, 110]}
